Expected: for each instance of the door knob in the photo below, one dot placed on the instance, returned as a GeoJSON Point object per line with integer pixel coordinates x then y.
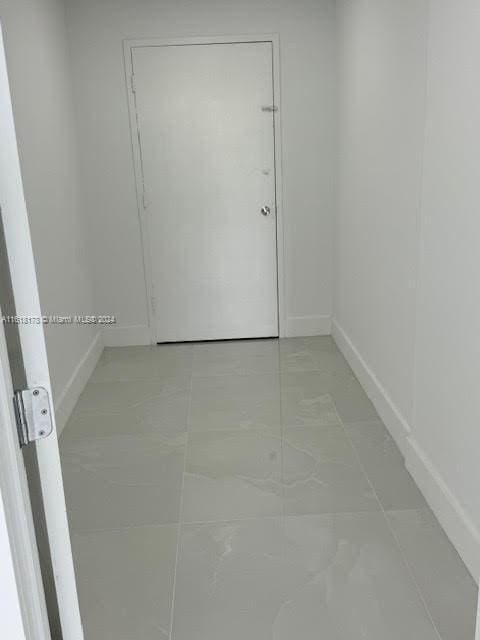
{"type": "Point", "coordinates": [265, 210]}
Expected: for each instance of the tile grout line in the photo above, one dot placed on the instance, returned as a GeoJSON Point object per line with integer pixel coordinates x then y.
{"type": "Point", "coordinates": [199, 523]}
{"type": "Point", "coordinates": [180, 513]}
{"type": "Point", "coordinates": [282, 435]}
{"type": "Point", "coordinates": [273, 372]}
{"type": "Point", "coordinates": [389, 527]}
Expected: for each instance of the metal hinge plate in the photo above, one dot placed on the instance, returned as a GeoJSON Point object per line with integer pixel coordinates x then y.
{"type": "Point", "coordinates": [33, 414]}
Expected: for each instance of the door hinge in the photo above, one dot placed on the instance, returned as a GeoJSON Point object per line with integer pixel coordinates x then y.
{"type": "Point", "coordinates": [270, 108]}
{"type": "Point", "coordinates": [132, 82]}
{"type": "Point", "coordinates": [33, 414]}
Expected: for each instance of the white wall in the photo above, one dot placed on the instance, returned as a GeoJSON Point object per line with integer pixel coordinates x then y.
{"type": "Point", "coordinates": [382, 46]}
{"type": "Point", "coordinates": [306, 29]}
{"type": "Point", "coordinates": [447, 373]}
{"type": "Point", "coordinates": [40, 78]}
{"type": "Point", "coordinates": [407, 307]}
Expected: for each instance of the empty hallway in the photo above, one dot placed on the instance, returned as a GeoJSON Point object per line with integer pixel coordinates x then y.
{"type": "Point", "coordinates": [239, 311]}
{"type": "Point", "coordinates": [249, 490]}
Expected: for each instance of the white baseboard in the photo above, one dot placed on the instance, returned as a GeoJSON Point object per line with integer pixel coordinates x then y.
{"type": "Point", "coordinates": [308, 326]}
{"type": "Point", "coordinates": [391, 415]}
{"type": "Point", "coordinates": [453, 518]}
{"type": "Point", "coordinates": [68, 398]}
{"type": "Point", "coordinates": [126, 336]}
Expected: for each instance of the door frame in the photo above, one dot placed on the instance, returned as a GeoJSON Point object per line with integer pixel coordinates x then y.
{"type": "Point", "coordinates": [274, 40]}
{"type": "Point", "coordinates": [34, 354]}
{"type": "Point", "coordinates": [12, 622]}
{"type": "Point", "coordinates": [18, 541]}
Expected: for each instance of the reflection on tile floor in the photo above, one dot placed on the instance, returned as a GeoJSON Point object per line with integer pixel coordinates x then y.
{"type": "Point", "coordinates": [248, 490]}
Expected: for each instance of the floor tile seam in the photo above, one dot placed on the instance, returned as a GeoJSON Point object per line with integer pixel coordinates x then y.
{"type": "Point", "coordinates": [260, 518]}
{"type": "Point", "coordinates": [226, 521]}
{"type": "Point", "coordinates": [236, 374]}
{"type": "Point", "coordinates": [220, 521]}
{"type": "Point", "coordinates": [274, 431]}
{"type": "Point", "coordinates": [141, 379]}
{"type": "Point", "coordinates": [180, 513]}
{"type": "Point", "coordinates": [280, 371]}
{"type": "Point", "coordinates": [123, 528]}
{"type": "Point", "coordinates": [282, 435]}
{"type": "Point", "coordinates": [411, 574]}
{"type": "Point", "coordinates": [141, 434]}
{"type": "Point", "coordinates": [357, 456]}
{"type": "Point", "coordinates": [318, 424]}
{"type": "Point", "coordinates": [281, 414]}
{"type": "Point", "coordinates": [189, 370]}
{"type": "Point", "coordinates": [392, 533]}
{"type": "Point", "coordinates": [119, 410]}
{"type": "Point", "coordinates": [286, 515]}
{"type": "Point", "coordinates": [153, 378]}
{"type": "Point", "coordinates": [408, 510]}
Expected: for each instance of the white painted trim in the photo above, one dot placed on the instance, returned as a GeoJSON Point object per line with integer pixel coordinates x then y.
{"type": "Point", "coordinates": [128, 44]}
{"type": "Point", "coordinates": [391, 415]}
{"type": "Point", "coordinates": [70, 394]}
{"type": "Point", "coordinates": [16, 503]}
{"type": "Point", "coordinates": [11, 622]}
{"type": "Point", "coordinates": [126, 336]}
{"type": "Point", "coordinates": [452, 516]}
{"type": "Point", "coordinates": [298, 326]}
{"type": "Point", "coordinates": [477, 633]}
{"type": "Point", "coordinates": [450, 513]}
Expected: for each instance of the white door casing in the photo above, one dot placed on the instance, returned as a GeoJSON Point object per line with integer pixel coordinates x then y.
{"type": "Point", "coordinates": [32, 340]}
{"type": "Point", "coordinates": [21, 549]}
{"type": "Point", "coordinates": [11, 620]}
{"type": "Point", "coordinates": [206, 144]}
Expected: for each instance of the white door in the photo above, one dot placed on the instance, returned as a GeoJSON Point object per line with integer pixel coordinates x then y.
{"type": "Point", "coordinates": [12, 474]}
{"type": "Point", "coordinates": [206, 132]}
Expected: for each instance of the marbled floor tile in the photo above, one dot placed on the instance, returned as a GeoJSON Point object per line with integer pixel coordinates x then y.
{"type": "Point", "coordinates": [122, 481]}
{"type": "Point", "coordinates": [352, 583]}
{"type": "Point", "coordinates": [306, 399]}
{"type": "Point", "coordinates": [235, 402]}
{"type": "Point", "coordinates": [153, 361]}
{"type": "Point", "coordinates": [448, 589]}
{"type": "Point", "coordinates": [351, 401]}
{"type": "Point", "coordinates": [262, 444]}
{"type": "Point", "coordinates": [295, 355]}
{"type": "Point", "coordinates": [140, 406]}
{"type": "Point", "coordinates": [385, 466]}
{"type": "Point", "coordinates": [312, 354]}
{"type": "Point", "coordinates": [321, 473]}
{"type": "Point", "coordinates": [330, 577]}
{"type": "Point", "coordinates": [231, 581]}
{"type": "Point", "coordinates": [242, 357]}
{"type": "Point", "coordinates": [125, 582]}
{"type": "Point", "coordinates": [232, 474]}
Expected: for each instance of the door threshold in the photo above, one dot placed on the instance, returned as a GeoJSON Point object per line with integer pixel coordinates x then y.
{"type": "Point", "coordinates": [218, 340]}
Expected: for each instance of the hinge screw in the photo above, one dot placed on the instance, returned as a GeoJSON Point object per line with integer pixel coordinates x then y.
{"type": "Point", "coordinates": [36, 392]}
{"type": "Point", "coordinates": [44, 412]}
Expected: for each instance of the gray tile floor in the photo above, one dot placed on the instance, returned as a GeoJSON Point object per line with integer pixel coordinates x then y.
{"type": "Point", "coordinates": [249, 491]}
